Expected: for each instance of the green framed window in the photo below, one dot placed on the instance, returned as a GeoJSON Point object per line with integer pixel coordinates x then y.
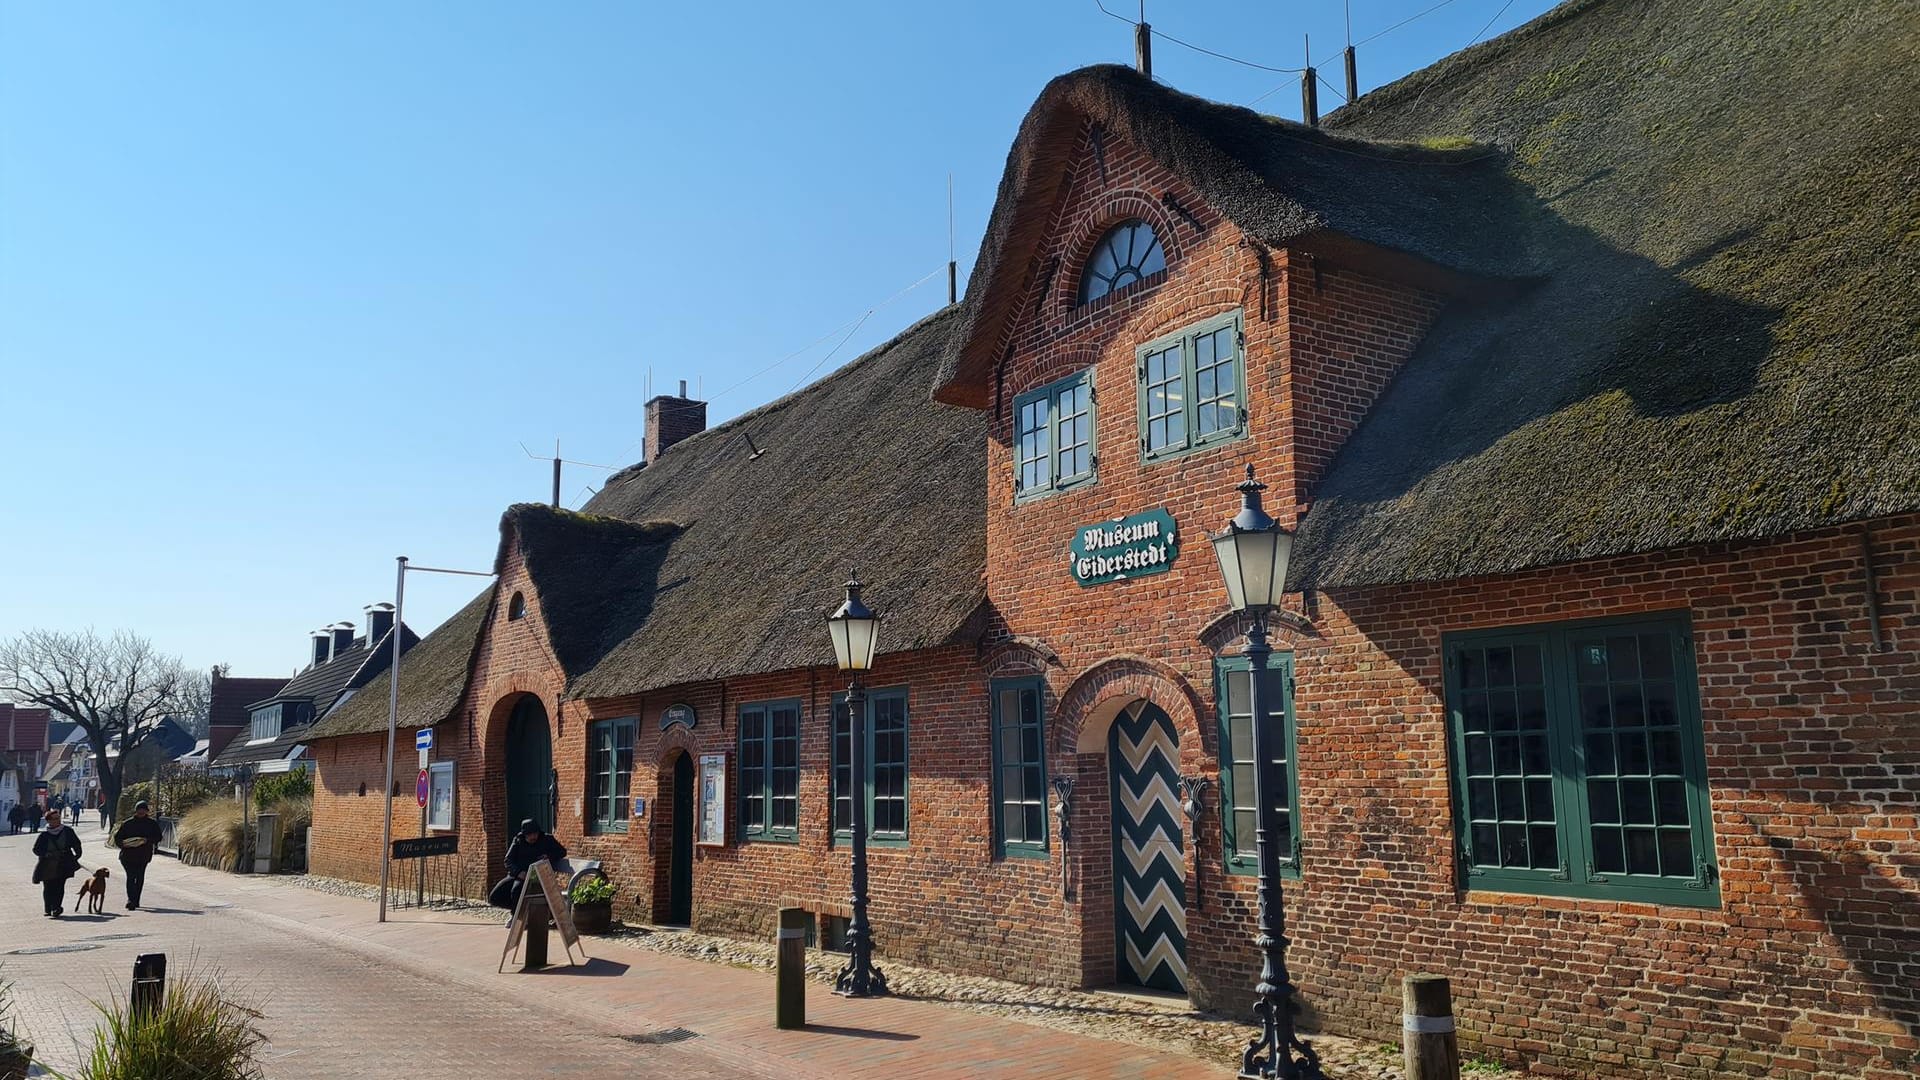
{"type": "Point", "coordinates": [1193, 387]}
{"type": "Point", "coordinates": [1232, 686]}
{"type": "Point", "coordinates": [1578, 760]}
{"type": "Point", "coordinates": [610, 772]}
{"type": "Point", "coordinates": [770, 770]}
{"type": "Point", "coordinates": [1019, 767]}
{"type": "Point", "coordinates": [885, 785]}
{"type": "Point", "coordinates": [1053, 437]}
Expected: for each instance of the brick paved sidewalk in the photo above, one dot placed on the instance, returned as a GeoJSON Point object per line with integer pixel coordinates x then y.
{"type": "Point", "coordinates": [634, 992]}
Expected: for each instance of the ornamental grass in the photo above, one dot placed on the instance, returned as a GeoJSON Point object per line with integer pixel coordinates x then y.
{"type": "Point", "coordinates": [197, 1033]}
{"type": "Point", "coordinates": [212, 834]}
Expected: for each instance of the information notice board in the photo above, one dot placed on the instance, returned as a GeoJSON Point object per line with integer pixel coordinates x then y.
{"type": "Point", "coordinates": [711, 817]}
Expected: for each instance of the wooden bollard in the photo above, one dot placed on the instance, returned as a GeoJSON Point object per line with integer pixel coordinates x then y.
{"type": "Point", "coordinates": [790, 970]}
{"type": "Point", "coordinates": [149, 985]}
{"type": "Point", "coordinates": [1427, 1028]}
{"type": "Point", "coordinates": [539, 922]}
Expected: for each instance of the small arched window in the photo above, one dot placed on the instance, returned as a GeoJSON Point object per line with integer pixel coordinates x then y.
{"type": "Point", "coordinates": [516, 607]}
{"type": "Point", "coordinates": [1126, 254]}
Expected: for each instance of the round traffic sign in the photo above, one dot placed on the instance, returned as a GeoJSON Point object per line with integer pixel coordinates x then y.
{"type": "Point", "coordinates": [420, 789]}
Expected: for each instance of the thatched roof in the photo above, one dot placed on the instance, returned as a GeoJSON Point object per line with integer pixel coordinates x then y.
{"type": "Point", "coordinates": [859, 470]}
{"type": "Point", "coordinates": [433, 674]}
{"type": "Point", "coordinates": [724, 556]}
{"type": "Point", "coordinates": [1725, 344]}
{"type": "Point", "coordinates": [1700, 220]}
{"type": "Point", "coordinates": [1443, 211]}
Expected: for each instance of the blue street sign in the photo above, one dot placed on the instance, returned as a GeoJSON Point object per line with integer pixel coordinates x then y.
{"type": "Point", "coordinates": [423, 739]}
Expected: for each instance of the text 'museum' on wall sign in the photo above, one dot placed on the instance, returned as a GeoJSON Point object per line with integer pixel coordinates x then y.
{"type": "Point", "coordinates": [1124, 547]}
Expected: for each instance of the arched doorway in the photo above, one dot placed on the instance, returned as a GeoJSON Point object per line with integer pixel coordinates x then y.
{"type": "Point", "coordinates": [530, 779]}
{"type": "Point", "coordinates": [1149, 851]}
{"type": "Point", "coordinates": [680, 855]}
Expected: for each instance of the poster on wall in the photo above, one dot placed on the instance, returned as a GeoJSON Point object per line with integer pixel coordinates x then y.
{"type": "Point", "coordinates": [712, 816]}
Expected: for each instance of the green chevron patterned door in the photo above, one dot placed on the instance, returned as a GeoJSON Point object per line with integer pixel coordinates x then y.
{"type": "Point", "coordinates": [1149, 863]}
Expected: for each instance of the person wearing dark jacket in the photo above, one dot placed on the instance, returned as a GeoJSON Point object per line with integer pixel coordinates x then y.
{"type": "Point", "coordinates": [57, 854]}
{"type": "Point", "coordinates": [137, 837]}
{"type": "Point", "coordinates": [16, 817]}
{"type": "Point", "coordinates": [34, 813]}
{"type": "Point", "coordinates": [529, 847]}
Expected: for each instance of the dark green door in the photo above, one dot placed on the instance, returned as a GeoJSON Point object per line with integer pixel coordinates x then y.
{"type": "Point", "coordinates": [1149, 864]}
{"type": "Point", "coordinates": [529, 766]}
{"type": "Point", "coordinates": [680, 866]}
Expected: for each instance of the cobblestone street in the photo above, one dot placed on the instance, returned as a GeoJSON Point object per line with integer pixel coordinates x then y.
{"type": "Point", "coordinates": [343, 996]}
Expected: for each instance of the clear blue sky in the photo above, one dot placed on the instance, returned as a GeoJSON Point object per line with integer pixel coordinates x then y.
{"type": "Point", "coordinates": [282, 287]}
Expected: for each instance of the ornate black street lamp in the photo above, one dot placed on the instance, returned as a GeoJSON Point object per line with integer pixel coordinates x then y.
{"type": "Point", "coordinates": [1253, 552]}
{"type": "Point", "coordinates": [856, 630]}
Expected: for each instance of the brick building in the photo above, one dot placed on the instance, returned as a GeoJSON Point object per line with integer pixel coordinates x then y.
{"type": "Point", "coordinates": [1595, 412]}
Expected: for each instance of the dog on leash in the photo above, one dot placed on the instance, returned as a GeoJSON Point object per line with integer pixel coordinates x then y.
{"type": "Point", "coordinates": [93, 890]}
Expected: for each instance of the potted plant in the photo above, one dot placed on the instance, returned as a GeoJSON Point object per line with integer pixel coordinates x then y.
{"type": "Point", "coordinates": [592, 898]}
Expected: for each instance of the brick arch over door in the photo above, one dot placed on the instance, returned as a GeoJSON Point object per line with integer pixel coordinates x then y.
{"type": "Point", "coordinates": [1082, 724]}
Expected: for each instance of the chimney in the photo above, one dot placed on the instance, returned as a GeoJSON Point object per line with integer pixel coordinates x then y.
{"type": "Point", "coordinates": [379, 621]}
{"type": "Point", "coordinates": [670, 419]}
{"type": "Point", "coordinates": [322, 646]}
{"type": "Point", "coordinates": [342, 636]}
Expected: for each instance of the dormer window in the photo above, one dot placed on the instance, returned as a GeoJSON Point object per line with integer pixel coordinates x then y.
{"type": "Point", "coordinates": [1130, 251]}
{"type": "Point", "coordinates": [517, 608]}
{"type": "Point", "coordinates": [267, 723]}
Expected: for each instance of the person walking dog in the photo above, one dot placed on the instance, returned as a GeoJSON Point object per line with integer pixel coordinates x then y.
{"type": "Point", "coordinates": [137, 838]}
{"type": "Point", "coordinates": [57, 855]}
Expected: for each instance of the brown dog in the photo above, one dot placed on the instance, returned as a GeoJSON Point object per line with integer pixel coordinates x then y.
{"type": "Point", "coordinates": [94, 891]}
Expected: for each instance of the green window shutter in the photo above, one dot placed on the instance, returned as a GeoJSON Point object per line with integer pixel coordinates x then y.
{"type": "Point", "coordinates": [783, 770]}
{"type": "Point", "coordinates": [753, 771]}
{"type": "Point", "coordinates": [1019, 767]}
{"type": "Point", "coordinates": [1193, 387]}
{"type": "Point", "coordinates": [1053, 437]}
{"type": "Point", "coordinates": [885, 785]}
{"type": "Point", "coordinates": [1579, 762]}
{"type": "Point", "coordinates": [1238, 812]}
{"type": "Point", "coordinates": [610, 773]}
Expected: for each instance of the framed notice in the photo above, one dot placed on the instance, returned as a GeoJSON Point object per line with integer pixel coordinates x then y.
{"type": "Point", "coordinates": [710, 821]}
{"type": "Point", "coordinates": [440, 795]}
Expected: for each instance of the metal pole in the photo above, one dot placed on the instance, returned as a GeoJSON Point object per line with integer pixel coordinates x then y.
{"type": "Point", "coordinates": [1271, 1053]}
{"type": "Point", "coordinates": [393, 719]}
{"type": "Point", "coordinates": [859, 978]}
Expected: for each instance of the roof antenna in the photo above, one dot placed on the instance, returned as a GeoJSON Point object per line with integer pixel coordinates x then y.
{"type": "Point", "coordinates": [1143, 43]}
{"type": "Point", "coordinates": [1353, 72]}
{"type": "Point", "coordinates": [1310, 90]}
{"type": "Point", "coordinates": [557, 462]}
{"type": "Point", "coordinates": [953, 268]}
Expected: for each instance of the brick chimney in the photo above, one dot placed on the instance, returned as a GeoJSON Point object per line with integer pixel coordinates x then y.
{"type": "Point", "coordinates": [670, 419]}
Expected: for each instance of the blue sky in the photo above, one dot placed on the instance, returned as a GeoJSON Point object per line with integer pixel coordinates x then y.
{"type": "Point", "coordinates": [283, 287]}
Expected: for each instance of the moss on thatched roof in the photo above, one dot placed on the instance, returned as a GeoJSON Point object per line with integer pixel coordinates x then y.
{"type": "Point", "coordinates": [1726, 343]}
{"type": "Point", "coordinates": [433, 675]}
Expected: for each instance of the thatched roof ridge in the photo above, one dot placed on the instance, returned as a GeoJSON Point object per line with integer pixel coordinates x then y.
{"type": "Point", "coordinates": [1725, 346]}
{"type": "Point", "coordinates": [1449, 207]}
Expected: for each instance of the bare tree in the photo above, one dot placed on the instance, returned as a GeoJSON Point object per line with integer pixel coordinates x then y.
{"type": "Point", "coordinates": [195, 711]}
{"type": "Point", "coordinates": [117, 689]}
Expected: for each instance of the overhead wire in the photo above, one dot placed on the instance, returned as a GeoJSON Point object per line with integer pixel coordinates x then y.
{"type": "Point", "coordinates": [1164, 36]}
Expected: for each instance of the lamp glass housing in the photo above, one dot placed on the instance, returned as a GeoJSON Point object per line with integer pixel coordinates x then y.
{"type": "Point", "coordinates": [855, 630]}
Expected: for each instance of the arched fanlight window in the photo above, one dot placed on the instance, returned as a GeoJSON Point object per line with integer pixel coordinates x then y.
{"type": "Point", "coordinates": [1126, 254]}
{"type": "Point", "coordinates": [516, 607]}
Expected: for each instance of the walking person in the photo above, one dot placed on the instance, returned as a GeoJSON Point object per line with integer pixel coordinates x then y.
{"type": "Point", "coordinates": [137, 838]}
{"type": "Point", "coordinates": [16, 817]}
{"type": "Point", "coordinates": [34, 813]}
{"type": "Point", "coordinates": [57, 854]}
